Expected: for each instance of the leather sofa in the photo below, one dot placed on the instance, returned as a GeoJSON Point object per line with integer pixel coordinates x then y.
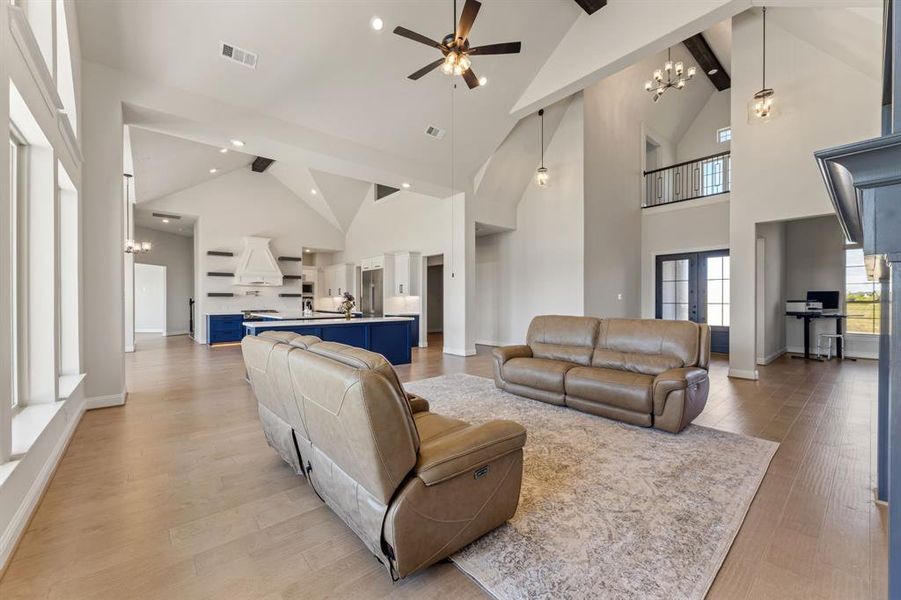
{"type": "Point", "coordinates": [645, 372]}
{"type": "Point", "coordinates": [414, 485]}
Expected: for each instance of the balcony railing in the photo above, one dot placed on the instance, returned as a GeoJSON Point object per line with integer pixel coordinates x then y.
{"type": "Point", "coordinates": [697, 178]}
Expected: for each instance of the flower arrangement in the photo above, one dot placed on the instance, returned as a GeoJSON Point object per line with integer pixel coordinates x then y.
{"type": "Point", "coordinates": [348, 305]}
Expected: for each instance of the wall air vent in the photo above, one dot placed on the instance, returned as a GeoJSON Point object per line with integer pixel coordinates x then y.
{"type": "Point", "coordinates": [160, 215]}
{"type": "Point", "coordinates": [435, 132]}
{"type": "Point", "coordinates": [239, 55]}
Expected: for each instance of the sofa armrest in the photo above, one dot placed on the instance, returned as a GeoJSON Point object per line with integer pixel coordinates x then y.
{"type": "Point", "coordinates": [505, 353]}
{"type": "Point", "coordinates": [465, 449]}
{"type": "Point", "coordinates": [417, 404]}
{"type": "Point", "coordinates": [675, 379]}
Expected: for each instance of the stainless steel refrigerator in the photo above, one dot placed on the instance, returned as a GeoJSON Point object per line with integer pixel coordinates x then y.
{"type": "Point", "coordinates": [371, 294]}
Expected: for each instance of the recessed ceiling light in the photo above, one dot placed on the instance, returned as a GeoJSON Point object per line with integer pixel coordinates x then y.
{"type": "Point", "coordinates": [483, 81]}
{"type": "Point", "coordinates": [713, 71]}
{"type": "Point", "coordinates": [405, 185]}
{"type": "Point", "coordinates": [223, 150]}
{"type": "Point", "coordinates": [307, 250]}
{"type": "Point", "coordinates": [237, 143]}
{"type": "Point", "coordinates": [376, 23]}
{"type": "Point", "coordinates": [313, 191]}
{"type": "Point", "coordinates": [214, 170]}
{"type": "Point", "coordinates": [165, 220]}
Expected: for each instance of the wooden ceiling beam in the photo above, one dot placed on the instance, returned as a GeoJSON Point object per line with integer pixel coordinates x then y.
{"type": "Point", "coordinates": [591, 6]}
{"type": "Point", "coordinates": [708, 62]}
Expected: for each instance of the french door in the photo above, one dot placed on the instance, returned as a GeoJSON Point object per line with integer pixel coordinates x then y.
{"type": "Point", "coordinates": [694, 286]}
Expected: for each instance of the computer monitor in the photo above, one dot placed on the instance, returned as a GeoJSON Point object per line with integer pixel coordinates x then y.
{"type": "Point", "coordinates": [829, 299]}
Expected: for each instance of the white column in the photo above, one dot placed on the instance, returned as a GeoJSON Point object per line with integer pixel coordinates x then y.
{"type": "Point", "coordinates": [459, 280]}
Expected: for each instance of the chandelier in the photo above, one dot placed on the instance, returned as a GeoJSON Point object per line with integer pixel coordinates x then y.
{"type": "Point", "coordinates": [132, 246]}
{"type": "Point", "coordinates": [762, 102]}
{"type": "Point", "coordinates": [672, 75]}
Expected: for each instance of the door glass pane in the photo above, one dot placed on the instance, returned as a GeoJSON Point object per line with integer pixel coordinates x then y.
{"type": "Point", "coordinates": [718, 291]}
{"type": "Point", "coordinates": [674, 289]}
{"type": "Point", "coordinates": [682, 291]}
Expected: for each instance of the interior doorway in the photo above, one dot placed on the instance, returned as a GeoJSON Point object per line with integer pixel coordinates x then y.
{"type": "Point", "coordinates": [434, 299]}
{"type": "Point", "coordinates": [694, 286]}
{"type": "Point", "coordinates": [150, 299]}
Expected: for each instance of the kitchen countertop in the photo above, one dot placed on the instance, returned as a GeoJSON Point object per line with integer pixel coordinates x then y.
{"type": "Point", "coordinates": [322, 321]}
{"type": "Point", "coordinates": [295, 315]}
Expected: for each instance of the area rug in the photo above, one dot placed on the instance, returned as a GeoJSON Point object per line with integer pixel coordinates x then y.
{"type": "Point", "coordinates": [607, 510]}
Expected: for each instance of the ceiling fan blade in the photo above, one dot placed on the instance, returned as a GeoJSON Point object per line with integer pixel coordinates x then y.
{"type": "Point", "coordinates": [417, 37]}
{"type": "Point", "coordinates": [504, 48]}
{"type": "Point", "coordinates": [467, 18]}
{"type": "Point", "coordinates": [429, 67]}
{"type": "Point", "coordinates": [471, 80]}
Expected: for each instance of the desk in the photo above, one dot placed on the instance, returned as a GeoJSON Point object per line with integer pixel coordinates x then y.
{"type": "Point", "coordinates": [810, 316]}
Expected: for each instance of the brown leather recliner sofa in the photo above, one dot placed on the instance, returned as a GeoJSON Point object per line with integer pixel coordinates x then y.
{"type": "Point", "coordinates": [640, 371]}
{"type": "Point", "coordinates": [415, 486]}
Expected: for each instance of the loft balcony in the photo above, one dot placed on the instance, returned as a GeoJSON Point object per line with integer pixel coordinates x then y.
{"type": "Point", "coordinates": [690, 180]}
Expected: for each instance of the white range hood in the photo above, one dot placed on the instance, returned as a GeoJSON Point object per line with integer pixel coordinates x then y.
{"type": "Point", "coordinates": [257, 265]}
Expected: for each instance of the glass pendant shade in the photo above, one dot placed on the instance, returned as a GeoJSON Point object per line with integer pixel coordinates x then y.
{"type": "Point", "coordinates": [542, 177]}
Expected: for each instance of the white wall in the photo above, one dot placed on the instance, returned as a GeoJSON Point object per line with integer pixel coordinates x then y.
{"type": "Point", "coordinates": [150, 299]}
{"type": "Point", "coordinates": [239, 204]}
{"type": "Point", "coordinates": [693, 226]}
{"type": "Point", "coordinates": [700, 139]}
{"type": "Point", "coordinates": [538, 268]}
{"type": "Point", "coordinates": [774, 174]}
{"type": "Point", "coordinates": [618, 113]}
{"type": "Point", "coordinates": [176, 253]}
{"type": "Point", "coordinates": [771, 293]}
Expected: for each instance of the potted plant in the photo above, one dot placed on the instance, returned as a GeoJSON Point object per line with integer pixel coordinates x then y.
{"type": "Point", "coordinates": [348, 305]}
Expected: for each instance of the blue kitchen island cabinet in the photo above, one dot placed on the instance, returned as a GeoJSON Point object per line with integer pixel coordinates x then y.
{"type": "Point", "coordinates": [221, 329]}
{"type": "Point", "coordinates": [390, 337]}
{"type": "Point", "coordinates": [414, 327]}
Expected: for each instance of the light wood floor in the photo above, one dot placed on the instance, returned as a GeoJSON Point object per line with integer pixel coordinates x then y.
{"type": "Point", "coordinates": [176, 494]}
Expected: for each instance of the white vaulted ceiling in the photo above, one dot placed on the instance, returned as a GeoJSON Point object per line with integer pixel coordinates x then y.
{"type": "Point", "coordinates": [164, 164]}
{"type": "Point", "coordinates": [323, 68]}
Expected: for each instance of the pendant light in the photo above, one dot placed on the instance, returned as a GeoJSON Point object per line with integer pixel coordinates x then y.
{"type": "Point", "coordinates": [761, 105]}
{"type": "Point", "coordinates": [131, 246]}
{"type": "Point", "coordinates": [541, 176]}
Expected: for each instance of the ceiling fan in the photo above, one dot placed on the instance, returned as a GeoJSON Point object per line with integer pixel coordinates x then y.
{"type": "Point", "coordinates": [455, 48]}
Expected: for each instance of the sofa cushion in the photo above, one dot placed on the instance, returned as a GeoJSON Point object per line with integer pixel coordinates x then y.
{"type": "Point", "coordinates": [648, 364]}
{"type": "Point", "coordinates": [623, 389]}
{"type": "Point", "coordinates": [540, 373]}
{"type": "Point", "coordinates": [680, 339]}
{"type": "Point", "coordinates": [570, 339]}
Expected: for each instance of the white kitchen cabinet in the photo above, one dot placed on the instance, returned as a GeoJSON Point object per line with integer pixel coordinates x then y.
{"type": "Point", "coordinates": [336, 280]}
{"type": "Point", "coordinates": [406, 274]}
{"type": "Point", "coordinates": [310, 275]}
{"type": "Point", "coordinates": [373, 262]}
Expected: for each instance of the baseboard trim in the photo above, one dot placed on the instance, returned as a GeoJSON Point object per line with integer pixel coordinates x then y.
{"type": "Point", "coordinates": [105, 401]}
{"type": "Point", "coordinates": [179, 332]}
{"type": "Point", "coordinates": [458, 352]}
{"type": "Point", "coordinates": [488, 343]}
{"type": "Point", "coordinates": [129, 348]}
{"type": "Point", "coordinates": [765, 360]}
{"type": "Point", "coordinates": [743, 374]}
{"type": "Point", "coordinates": [11, 537]}
{"type": "Point", "coordinates": [159, 331]}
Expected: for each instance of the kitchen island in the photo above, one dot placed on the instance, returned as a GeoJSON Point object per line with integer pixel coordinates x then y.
{"type": "Point", "coordinates": [389, 336]}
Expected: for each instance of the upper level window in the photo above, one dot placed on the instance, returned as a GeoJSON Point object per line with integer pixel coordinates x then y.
{"type": "Point", "coordinates": [724, 135]}
{"type": "Point", "coordinates": [861, 295]}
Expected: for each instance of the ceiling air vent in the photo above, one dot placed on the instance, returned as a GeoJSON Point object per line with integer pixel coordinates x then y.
{"type": "Point", "coordinates": [435, 132]}
{"type": "Point", "coordinates": [160, 215]}
{"type": "Point", "coordinates": [239, 55]}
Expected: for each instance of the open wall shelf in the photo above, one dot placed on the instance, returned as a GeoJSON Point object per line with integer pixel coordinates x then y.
{"type": "Point", "coordinates": [219, 253]}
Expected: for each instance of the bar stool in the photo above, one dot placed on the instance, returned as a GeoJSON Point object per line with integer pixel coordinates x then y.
{"type": "Point", "coordinates": [830, 338]}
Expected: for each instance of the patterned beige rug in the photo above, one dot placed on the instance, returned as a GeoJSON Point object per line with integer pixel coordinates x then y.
{"type": "Point", "coordinates": [607, 510]}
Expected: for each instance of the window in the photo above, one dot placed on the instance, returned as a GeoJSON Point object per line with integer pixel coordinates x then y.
{"type": "Point", "coordinates": [723, 135]}
{"type": "Point", "coordinates": [13, 201]}
{"type": "Point", "coordinates": [716, 175]}
{"type": "Point", "coordinates": [861, 295]}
